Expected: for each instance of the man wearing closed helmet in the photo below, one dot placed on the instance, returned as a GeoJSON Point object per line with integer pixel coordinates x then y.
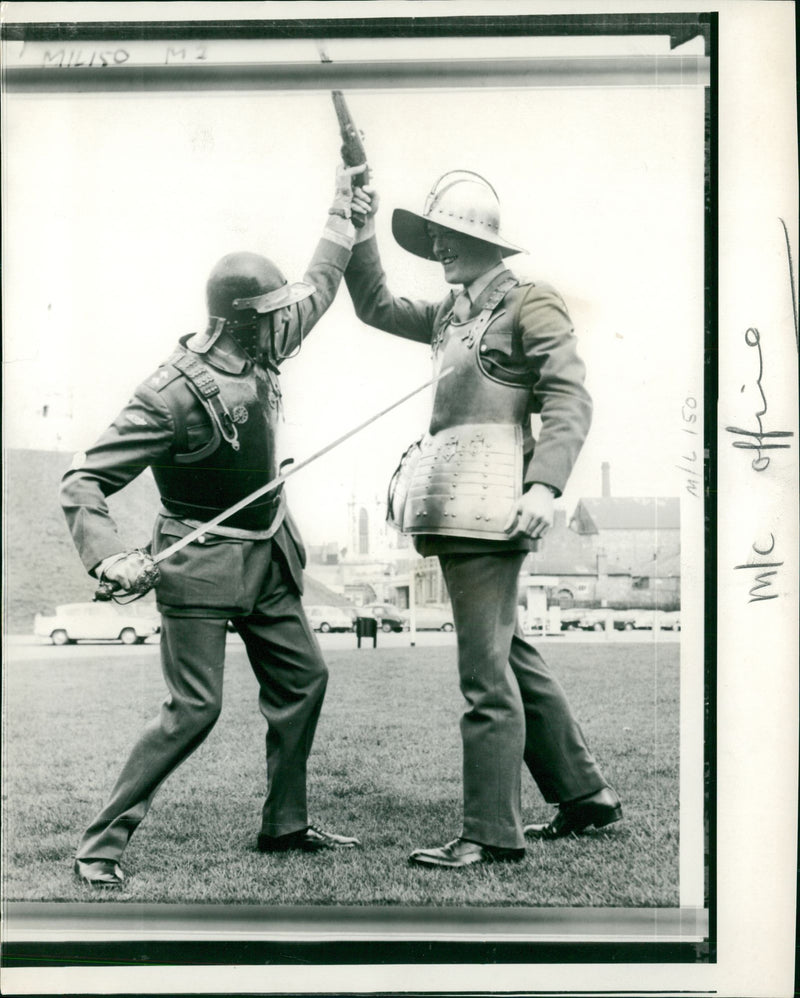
{"type": "Point", "coordinates": [206, 423]}
{"type": "Point", "coordinates": [477, 491]}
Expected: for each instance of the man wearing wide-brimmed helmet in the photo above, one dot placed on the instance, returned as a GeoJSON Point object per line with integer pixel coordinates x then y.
{"type": "Point", "coordinates": [205, 423]}
{"type": "Point", "coordinates": [477, 492]}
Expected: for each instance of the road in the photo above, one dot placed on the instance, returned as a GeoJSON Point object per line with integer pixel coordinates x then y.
{"type": "Point", "coordinates": [24, 647]}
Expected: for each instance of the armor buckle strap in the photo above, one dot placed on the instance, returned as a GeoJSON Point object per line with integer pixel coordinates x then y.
{"type": "Point", "coordinates": [397, 493]}
{"type": "Point", "coordinates": [472, 330]}
{"type": "Point", "coordinates": [197, 373]}
{"type": "Point", "coordinates": [480, 322]}
{"type": "Point", "coordinates": [208, 389]}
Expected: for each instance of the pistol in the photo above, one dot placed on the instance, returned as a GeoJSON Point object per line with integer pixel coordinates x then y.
{"type": "Point", "coordinates": [353, 151]}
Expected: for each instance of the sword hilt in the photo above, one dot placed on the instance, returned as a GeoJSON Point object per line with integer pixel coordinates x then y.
{"type": "Point", "coordinates": [106, 592]}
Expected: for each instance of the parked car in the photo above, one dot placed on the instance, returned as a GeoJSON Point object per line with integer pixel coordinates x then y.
{"type": "Point", "coordinates": [388, 616]}
{"type": "Point", "coordinates": [644, 620]}
{"type": "Point", "coordinates": [430, 618]}
{"type": "Point", "coordinates": [670, 620]}
{"type": "Point", "coordinates": [597, 620]}
{"type": "Point", "coordinates": [330, 618]}
{"type": "Point", "coordinates": [624, 620]}
{"type": "Point", "coordinates": [594, 620]}
{"type": "Point", "coordinates": [98, 622]}
{"type": "Point", "coordinates": [658, 620]}
{"type": "Point", "coordinates": [572, 620]}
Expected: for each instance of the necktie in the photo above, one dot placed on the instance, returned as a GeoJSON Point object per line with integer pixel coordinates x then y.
{"type": "Point", "coordinates": [461, 307]}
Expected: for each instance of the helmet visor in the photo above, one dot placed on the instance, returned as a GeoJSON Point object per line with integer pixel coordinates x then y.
{"type": "Point", "coordinates": [286, 294]}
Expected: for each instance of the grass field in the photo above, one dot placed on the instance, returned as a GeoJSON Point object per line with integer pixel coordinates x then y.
{"type": "Point", "coordinates": [385, 767]}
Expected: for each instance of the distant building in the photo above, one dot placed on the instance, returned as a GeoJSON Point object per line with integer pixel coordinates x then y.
{"type": "Point", "coordinates": [613, 552]}
{"type": "Point", "coordinates": [376, 564]}
{"type": "Point", "coordinates": [630, 530]}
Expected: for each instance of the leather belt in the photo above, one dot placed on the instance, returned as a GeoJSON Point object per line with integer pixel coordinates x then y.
{"type": "Point", "coordinates": [278, 503]}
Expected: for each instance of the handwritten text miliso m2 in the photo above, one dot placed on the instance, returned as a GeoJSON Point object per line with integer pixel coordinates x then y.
{"type": "Point", "coordinates": [65, 58]}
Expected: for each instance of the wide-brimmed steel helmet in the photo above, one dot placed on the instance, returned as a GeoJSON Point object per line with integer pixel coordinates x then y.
{"type": "Point", "coordinates": [459, 200]}
{"type": "Point", "coordinates": [243, 284]}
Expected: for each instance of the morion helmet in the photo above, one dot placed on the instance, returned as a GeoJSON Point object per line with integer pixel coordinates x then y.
{"type": "Point", "coordinates": [459, 200]}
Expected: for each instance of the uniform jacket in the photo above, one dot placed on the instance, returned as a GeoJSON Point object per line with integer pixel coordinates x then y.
{"type": "Point", "coordinates": [529, 342]}
{"type": "Point", "coordinates": [165, 419]}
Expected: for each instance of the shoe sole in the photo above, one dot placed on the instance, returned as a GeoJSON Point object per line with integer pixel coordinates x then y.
{"type": "Point", "coordinates": [306, 848]}
{"type": "Point", "coordinates": [100, 885]}
{"type": "Point", "coordinates": [329, 848]}
{"type": "Point", "coordinates": [416, 861]}
{"type": "Point", "coordinates": [609, 819]}
{"type": "Point", "coordinates": [96, 884]}
{"type": "Point", "coordinates": [449, 866]}
{"type": "Point", "coordinates": [601, 820]}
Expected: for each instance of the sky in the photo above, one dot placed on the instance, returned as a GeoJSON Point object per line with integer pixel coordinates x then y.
{"type": "Point", "coordinates": [116, 206]}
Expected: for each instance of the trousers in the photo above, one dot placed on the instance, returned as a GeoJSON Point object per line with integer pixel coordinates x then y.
{"type": "Point", "coordinates": [516, 710]}
{"type": "Point", "coordinates": [291, 675]}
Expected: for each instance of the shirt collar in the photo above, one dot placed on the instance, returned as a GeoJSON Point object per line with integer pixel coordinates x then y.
{"type": "Point", "coordinates": [224, 354]}
{"type": "Point", "coordinates": [481, 283]}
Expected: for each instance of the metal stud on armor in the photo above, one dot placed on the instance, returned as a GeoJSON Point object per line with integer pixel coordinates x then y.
{"type": "Point", "coordinates": [465, 481]}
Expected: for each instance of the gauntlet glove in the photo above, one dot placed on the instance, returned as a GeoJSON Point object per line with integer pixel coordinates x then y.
{"type": "Point", "coordinates": [134, 572]}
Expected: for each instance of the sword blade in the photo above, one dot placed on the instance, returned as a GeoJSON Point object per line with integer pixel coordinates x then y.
{"type": "Point", "coordinates": [280, 479]}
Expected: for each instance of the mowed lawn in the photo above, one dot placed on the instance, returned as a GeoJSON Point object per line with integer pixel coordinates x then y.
{"type": "Point", "coordinates": [385, 767]}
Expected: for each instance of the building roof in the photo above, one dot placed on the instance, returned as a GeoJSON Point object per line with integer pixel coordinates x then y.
{"type": "Point", "coordinates": [627, 514]}
{"type": "Point", "coordinates": [559, 564]}
{"type": "Point", "coordinates": [666, 565]}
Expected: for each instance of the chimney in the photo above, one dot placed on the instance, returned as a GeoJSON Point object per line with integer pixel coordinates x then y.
{"type": "Point", "coordinates": [606, 469]}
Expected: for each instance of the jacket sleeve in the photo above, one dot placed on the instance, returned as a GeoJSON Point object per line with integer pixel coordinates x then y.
{"type": "Point", "coordinates": [325, 274]}
{"type": "Point", "coordinates": [376, 306]}
{"type": "Point", "coordinates": [140, 436]}
{"type": "Point", "coordinates": [559, 394]}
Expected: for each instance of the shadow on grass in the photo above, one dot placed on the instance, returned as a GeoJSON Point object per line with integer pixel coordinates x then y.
{"type": "Point", "coordinates": [187, 854]}
{"type": "Point", "coordinates": [385, 767]}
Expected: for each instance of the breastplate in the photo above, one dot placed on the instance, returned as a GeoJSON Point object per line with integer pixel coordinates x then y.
{"type": "Point", "coordinates": [202, 483]}
{"type": "Point", "coordinates": [467, 395]}
{"type": "Point", "coordinates": [465, 476]}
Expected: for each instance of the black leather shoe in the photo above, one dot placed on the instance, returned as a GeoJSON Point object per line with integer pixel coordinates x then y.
{"type": "Point", "coordinates": [99, 872]}
{"type": "Point", "coordinates": [462, 852]}
{"type": "Point", "coordinates": [307, 839]}
{"type": "Point", "coordinates": [600, 809]}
